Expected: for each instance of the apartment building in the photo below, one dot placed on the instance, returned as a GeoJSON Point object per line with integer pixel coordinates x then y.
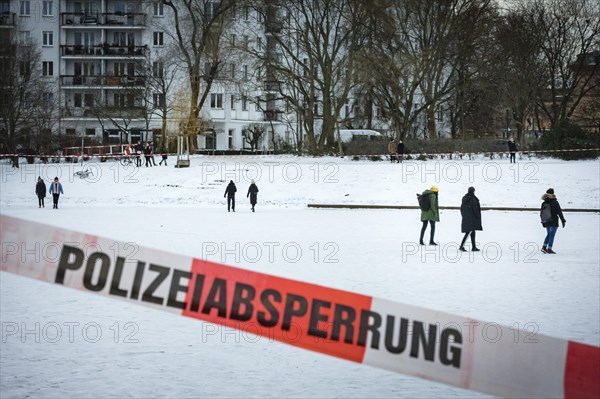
{"type": "Point", "coordinates": [99, 54]}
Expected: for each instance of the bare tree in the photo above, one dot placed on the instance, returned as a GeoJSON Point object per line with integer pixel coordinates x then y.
{"type": "Point", "coordinates": [197, 28]}
{"type": "Point", "coordinates": [419, 47]}
{"type": "Point", "coordinates": [21, 86]}
{"type": "Point", "coordinates": [309, 57]}
{"type": "Point", "coordinates": [252, 134]}
{"type": "Point", "coordinates": [566, 32]}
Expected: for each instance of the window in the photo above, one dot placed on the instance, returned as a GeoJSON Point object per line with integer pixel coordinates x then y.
{"type": "Point", "coordinates": [244, 103]}
{"type": "Point", "coordinates": [157, 8]}
{"type": "Point", "coordinates": [259, 45]}
{"type": "Point", "coordinates": [232, 71]}
{"type": "Point", "coordinates": [159, 100]}
{"type": "Point", "coordinates": [47, 68]}
{"type": "Point", "coordinates": [70, 132]}
{"type": "Point", "coordinates": [77, 100]}
{"type": "Point", "coordinates": [233, 37]}
{"type": "Point", "coordinates": [48, 38]}
{"type": "Point", "coordinates": [210, 10]}
{"type": "Point", "coordinates": [246, 41]}
{"type": "Point", "coordinates": [257, 104]}
{"type": "Point", "coordinates": [25, 7]}
{"type": "Point", "coordinates": [90, 132]}
{"type": "Point", "coordinates": [232, 102]}
{"type": "Point", "coordinates": [157, 69]}
{"type": "Point", "coordinates": [245, 72]}
{"type": "Point", "coordinates": [48, 98]}
{"type": "Point", "coordinates": [230, 137]}
{"type": "Point", "coordinates": [47, 8]}
{"type": "Point", "coordinates": [24, 38]}
{"type": "Point", "coordinates": [88, 100]}
{"type": "Point", "coordinates": [119, 100]}
{"type": "Point", "coordinates": [216, 100]}
{"type": "Point", "coordinates": [158, 38]}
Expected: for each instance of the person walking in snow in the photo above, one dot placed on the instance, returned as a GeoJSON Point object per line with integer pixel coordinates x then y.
{"type": "Point", "coordinates": [550, 212]}
{"type": "Point", "coordinates": [148, 154]}
{"type": "Point", "coordinates": [430, 215]}
{"type": "Point", "coordinates": [400, 151]}
{"type": "Point", "coordinates": [470, 210]}
{"type": "Point", "coordinates": [40, 190]}
{"type": "Point", "coordinates": [252, 193]}
{"type": "Point", "coordinates": [230, 194]}
{"type": "Point", "coordinates": [165, 155]}
{"type": "Point", "coordinates": [512, 149]}
{"type": "Point", "coordinates": [392, 150]}
{"type": "Point", "coordinates": [56, 190]}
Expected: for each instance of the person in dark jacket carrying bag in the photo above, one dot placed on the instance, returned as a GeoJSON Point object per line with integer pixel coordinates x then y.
{"type": "Point", "coordinates": [230, 194]}
{"type": "Point", "coordinates": [252, 193]}
{"type": "Point", "coordinates": [470, 210]}
{"type": "Point", "coordinates": [40, 190]}
{"type": "Point", "coordinates": [550, 212]}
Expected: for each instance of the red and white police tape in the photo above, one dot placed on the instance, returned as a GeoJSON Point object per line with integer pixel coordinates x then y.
{"type": "Point", "coordinates": [428, 344]}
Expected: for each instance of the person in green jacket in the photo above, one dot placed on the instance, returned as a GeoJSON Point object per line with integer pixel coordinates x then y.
{"type": "Point", "coordinates": [431, 215]}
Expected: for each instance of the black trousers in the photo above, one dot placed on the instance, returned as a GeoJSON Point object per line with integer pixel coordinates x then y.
{"type": "Point", "coordinates": [55, 199]}
{"type": "Point", "coordinates": [231, 202]}
{"type": "Point", "coordinates": [431, 233]}
{"type": "Point", "coordinates": [41, 201]}
{"type": "Point", "coordinates": [472, 233]}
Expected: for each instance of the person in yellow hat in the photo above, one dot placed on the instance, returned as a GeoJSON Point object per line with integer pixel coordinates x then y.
{"type": "Point", "coordinates": [431, 214]}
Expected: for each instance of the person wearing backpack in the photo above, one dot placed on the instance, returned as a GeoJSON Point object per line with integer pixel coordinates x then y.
{"type": "Point", "coordinates": [470, 210]}
{"type": "Point", "coordinates": [429, 213]}
{"type": "Point", "coordinates": [550, 212]}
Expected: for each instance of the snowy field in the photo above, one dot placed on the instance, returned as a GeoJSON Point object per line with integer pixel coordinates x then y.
{"type": "Point", "coordinates": [58, 342]}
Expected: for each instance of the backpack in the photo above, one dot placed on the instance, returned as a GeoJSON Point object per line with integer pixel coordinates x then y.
{"type": "Point", "coordinates": [424, 203]}
{"type": "Point", "coordinates": [546, 213]}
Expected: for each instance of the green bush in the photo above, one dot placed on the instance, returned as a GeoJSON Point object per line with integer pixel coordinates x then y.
{"type": "Point", "coordinates": [568, 136]}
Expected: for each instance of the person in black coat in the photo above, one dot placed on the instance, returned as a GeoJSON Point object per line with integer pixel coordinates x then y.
{"type": "Point", "coordinates": [230, 194]}
{"type": "Point", "coordinates": [512, 149]}
{"type": "Point", "coordinates": [551, 224]}
{"type": "Point", "coordinates": [252, 193]}
{"type": "Point", "coordinates": [400, 151]}
{"type": "Point", "coordinates": [470, 210]}
{"type": "Point", "coordinates": [40, 190]}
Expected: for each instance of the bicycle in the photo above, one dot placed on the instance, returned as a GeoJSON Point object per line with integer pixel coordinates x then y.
{"type": "Point", "coordinates": [126, 160]}
{"type": "Point", "coordinates": [83, 174]}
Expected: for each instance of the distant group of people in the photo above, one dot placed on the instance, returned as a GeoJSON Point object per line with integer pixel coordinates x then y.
{"type": "Point", "coordinates": [230, 191]}
{"type": "Point", "coordinates": [470, 210]}
{"type": "Point", "coordinates": [396, 151]}
{"type": "Point", "coordinates": [56, 190]}
{"type": "Point", "coordinates": [148, 150]}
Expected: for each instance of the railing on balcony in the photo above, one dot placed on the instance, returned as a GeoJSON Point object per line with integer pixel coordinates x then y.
{"type": "Point", "coordinates": [7, 19]}
{"type": "Point", "coordinates": [102, 80]}
{"type": "Point", "coordinates": [103, 50]}
{"type": "Point", "coordinates": [107, 18]}
{"type": "Point", "coordinates": [90, 112]}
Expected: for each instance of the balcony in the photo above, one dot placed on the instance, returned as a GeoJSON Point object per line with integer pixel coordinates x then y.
{"type": "Point", "coordinates": [116, 19]}
{"type": "Point", "coordinates": [133, 112]}
{"type": "Point", "coordinates": [78, 81]}
{"type": "Point", "coordinates": [7, 19]}
{"type": "Point", "coordinates": [103, 50]}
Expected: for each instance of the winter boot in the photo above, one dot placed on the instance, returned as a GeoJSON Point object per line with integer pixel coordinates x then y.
{"type": "Point", "coordinates": [432, 243]}
{"type": "Point", "coordinates": [475, 249]}
{"type": "Point", "coordinates": [421, 242]}
{"type": "Point", "coordinates": [544, 250]}
{"type": "Point", "coordinates": [550, 251]}
{"type": "Point", "coordinates": [462, 249]}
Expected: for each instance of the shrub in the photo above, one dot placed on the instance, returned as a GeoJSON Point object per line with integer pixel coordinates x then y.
{"type": "Point", "coordinates": [569, 136]}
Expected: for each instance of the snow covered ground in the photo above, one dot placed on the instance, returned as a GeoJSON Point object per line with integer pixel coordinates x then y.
{"type": "Point", "coordinates": [58, 342]}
